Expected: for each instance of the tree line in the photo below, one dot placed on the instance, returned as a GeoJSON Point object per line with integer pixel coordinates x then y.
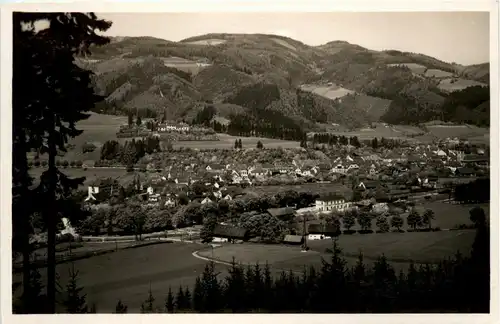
{"type": "Point", "coordinates": [477, 191]}
{"type": "Point", "coordinates": [131, 151]}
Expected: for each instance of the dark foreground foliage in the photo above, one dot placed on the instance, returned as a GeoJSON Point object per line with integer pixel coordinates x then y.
{"type": "Point", "coordinates": [459, 284]}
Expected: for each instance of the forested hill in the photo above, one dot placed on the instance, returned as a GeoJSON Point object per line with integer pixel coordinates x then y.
{"type": "Point", "coordinates": [268, 77]}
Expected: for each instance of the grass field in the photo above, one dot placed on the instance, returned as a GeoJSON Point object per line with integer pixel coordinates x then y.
{"type": "Point", "coordinates": [437, 73]}
{"type": "Point", "coordinates": [397, 132]}
{"type": "Point", "coordinates": [227, 142]}
{"type": "Point", "coordinates": [90, 174]}
{"type": "Point", "coordinates": [421, 247]}
{"type": "Point", "coordinates": [399, 249]}
{"type": "Point", "coordinates": [460, 131]}
{"type": "Point", "coordinates": [330, 92]}
{"type": "Point", "coordinates": [459, 84]}
{"type": "Point", "coordinates": [307, 187]}
{"type": "Point", "coordinates": [128, 274]}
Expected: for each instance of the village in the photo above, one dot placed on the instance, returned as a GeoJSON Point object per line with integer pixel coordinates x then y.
{"type": "Point", "coordinates": [335, 179]}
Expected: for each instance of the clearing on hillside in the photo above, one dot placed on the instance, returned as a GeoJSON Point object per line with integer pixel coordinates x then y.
{"type": "Point", "coordinates": [434, 73]}
{"type": "Point", "coordinates": [208, 42]}
{"type": "Point", "coordinates": [460, 131]}
{"type": "Point", "coordinates": [457, 84]}
{"type": "Point", "coordinates": [330, 92]}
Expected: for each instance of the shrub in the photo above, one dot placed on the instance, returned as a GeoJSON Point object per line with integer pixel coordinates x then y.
{"type": "Point", "coordinates": [30, 164]}
{"type": "Point", "coordinates": [382, 224]}
{"type": "Point", "coordinates": [349, 232]}
{"type": "Point", "coordinates": [36, 163]}
{"type": "Point", "coordinates": [72, 164]}
{"type": "Point", "coordinates": [44, 163]}
{"type": "Point", "coordinates": [130, 168]}
{"type": "Point", "coordinates": [365, 231]}
{"type": "Point", "coordinates": [79, 164]}
{"type": "Point", "coordinates": [65, 164]}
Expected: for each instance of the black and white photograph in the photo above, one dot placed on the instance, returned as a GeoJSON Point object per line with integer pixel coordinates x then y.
{"type": "Point", "coordinates": [250, 162]}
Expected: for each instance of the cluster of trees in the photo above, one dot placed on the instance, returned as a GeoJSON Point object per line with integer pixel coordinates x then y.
{"type": "Point", "coordinates": [477, 191]}
{"type": "Point", "coordinates": [470, 105]}
{"type": "Point", "coordinates": [63, 163]}
{"type": "Point", "coordinates": [130, 152]}
{"type": "Point", "coordinates": [249, 213]}
{"type": "Point", "coordinates": [458, 284]}
{"type": "Point", "coordinates": [238, 144]}
{"type": "Point", "coordinates": [332, 140]}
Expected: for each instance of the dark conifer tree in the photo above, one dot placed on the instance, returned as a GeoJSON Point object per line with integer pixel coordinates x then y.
{"type": "Point", "coordinates": [187, 299]}
{"type": "Point", "coordinates": [44, 61]}
{"type": "Point", "coordinates": [169, 301]}
{"type": "Point", "coordinates": [120, 308]}
{"type": "Point", "coordinates": [74, 300]}
{"type": "Point", "coordinates": [148, 305]}
{"type": "Point", "coordinates": [235, 292]}
{"type": "Point", "coordinates": [180, 299]}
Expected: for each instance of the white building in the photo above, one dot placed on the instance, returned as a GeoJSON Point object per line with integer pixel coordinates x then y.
{"type": "Point", "coordinates": [332, 202]}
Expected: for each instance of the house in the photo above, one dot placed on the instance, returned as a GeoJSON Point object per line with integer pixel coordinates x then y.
{"type": "Point", "coordinates": [91, 192]}
{"type": "Point", "coordinates": [371, 157]}
{"type": "Point", "coordinates": [170, 202]}
{"type": "Point", "coordinates": [440, 153]}
{"type": "Point", "coordinates": [259, 172]}
{"type": "Point", "coordinates": [243, 172]}
{"type": "Point", "coordinates": [332, 202]}
{"type": "Point", "coordinates": [282, 213]}
{"type": "Point", "coordinates": [353, 167]}
{"type": "Point", "coordinates": [218, 194]}
{"type": "Point", "coordinates": [152, 197]}
{"type": "Point", "coordinates": [368, 185]}
{"type": "Point", "coordinates": [214, 168]}
{"type": "Point", "coordinates": [339, 169]}
{"type": "Point", "coordinates": [225, 233]}
{"type": "Point", "coordinates": [206, 200]}
{"type": "Point", "coordinates": [321, 231]}
{"type": "Point", "coordinates": [166, 127]}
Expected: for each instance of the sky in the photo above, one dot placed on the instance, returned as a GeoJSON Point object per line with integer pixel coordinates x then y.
{"type": "Point", "coordinates": [461, 37]}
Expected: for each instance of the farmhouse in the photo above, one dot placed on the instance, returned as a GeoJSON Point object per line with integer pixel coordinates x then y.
{"type": "Point", "coordinates": [282, 213]}
{"type": "Point", "coordinates": [320, 232]}
{"type": "Point", "coordinates": [332, 202]}
{"type": "Point", "coordinates": [339, 169]}
{"type": "Point", "coordinates": [225, 233]}
{"type": "Point", "coordinates": [172, 127]}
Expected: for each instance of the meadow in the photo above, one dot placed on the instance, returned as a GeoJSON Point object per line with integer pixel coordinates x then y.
{"type": "Point", "coordinates": [399, 248]}
{"type": "Point", "coordinates": [129, 274]}
{"type": "Point", "coordinates": [457, 84]}
{"type": "Point", "coordinates": [227, 142]}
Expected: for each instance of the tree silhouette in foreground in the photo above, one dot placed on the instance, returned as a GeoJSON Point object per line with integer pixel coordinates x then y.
{"type": "Point", "coordinates": [46, 116]}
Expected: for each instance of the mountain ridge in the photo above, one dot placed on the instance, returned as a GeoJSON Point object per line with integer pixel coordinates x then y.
{"type": "Point", "coordinates": [131, 72]}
